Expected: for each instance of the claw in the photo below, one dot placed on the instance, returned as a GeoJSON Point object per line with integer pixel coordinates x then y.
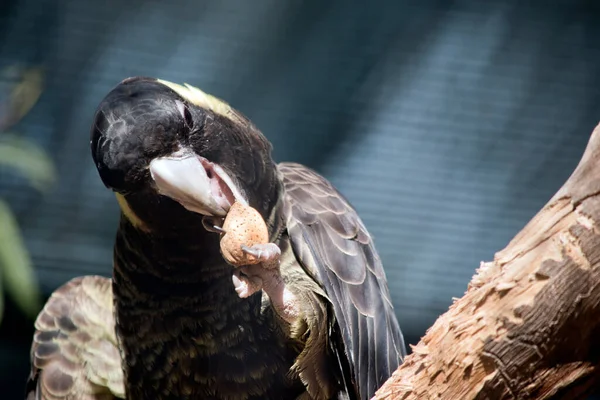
{"type": "Point", "coordinates": [211, 225]}
{"type": "Point", "coordinates": [253, 252]}
{"type": "Point", "coordinates": [267, 254]}
{"type": "Point", "coordinates": [217, 228]}
{"type": "Point", "coordinates": [241, 287]}
{"type": "Point", "coordinates": [245, 286]}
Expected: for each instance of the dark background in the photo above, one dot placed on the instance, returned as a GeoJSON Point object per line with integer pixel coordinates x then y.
{"type": "Point", "coordinates": [448, 124]}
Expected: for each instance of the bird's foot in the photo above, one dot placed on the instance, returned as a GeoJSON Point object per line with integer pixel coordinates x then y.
{"type": "Point", "coordinates": [266, 276]}
{"type": "Point", "coordinates": [262, 273]}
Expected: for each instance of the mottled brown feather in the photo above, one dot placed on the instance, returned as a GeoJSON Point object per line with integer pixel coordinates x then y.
{"type": "Point", "coordinates": [74, 354]}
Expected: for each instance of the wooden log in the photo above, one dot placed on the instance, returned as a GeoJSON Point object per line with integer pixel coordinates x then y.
{"type": "Point", "coordinates": [528, 326]}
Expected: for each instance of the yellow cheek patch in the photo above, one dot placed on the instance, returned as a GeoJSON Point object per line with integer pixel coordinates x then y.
{"type": "Point", "coordinates": [129, 214]}
{"type": "Point", "coordinates": [205, 100]}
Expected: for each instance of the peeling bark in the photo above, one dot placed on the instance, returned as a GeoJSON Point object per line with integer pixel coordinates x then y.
{"type": "Point", "coordinates": [528, 326]}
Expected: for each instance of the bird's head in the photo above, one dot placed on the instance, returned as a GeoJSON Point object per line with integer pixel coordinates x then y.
{"type": "Point", "coordinates": [161, 145]}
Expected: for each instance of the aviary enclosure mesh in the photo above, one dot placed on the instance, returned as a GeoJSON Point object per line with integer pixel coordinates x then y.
{"type": "Point", "coordinates": [447, 124]}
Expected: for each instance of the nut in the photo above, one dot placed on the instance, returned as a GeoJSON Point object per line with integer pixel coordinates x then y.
{"type": "Point", "coordinates": [243, 226]}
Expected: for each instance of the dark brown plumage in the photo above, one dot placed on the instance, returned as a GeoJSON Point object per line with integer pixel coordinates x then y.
{"type": "Point", "coordinates": [177, 159]}
{"type": "Point", "coordinates": [332, 244]}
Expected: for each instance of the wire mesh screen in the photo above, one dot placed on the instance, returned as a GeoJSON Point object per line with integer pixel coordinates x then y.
{"type": "Point", "coordinates": [447, 125]}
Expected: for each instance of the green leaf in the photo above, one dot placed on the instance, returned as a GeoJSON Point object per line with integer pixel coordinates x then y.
{"type": "Point", "coordinates": [28, 159]}
{"type": "Point", "coordinates": [24, 93]}
{"type": "Point", "coordinates": [17, 270]}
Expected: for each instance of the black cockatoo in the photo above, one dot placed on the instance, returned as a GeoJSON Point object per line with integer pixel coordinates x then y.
{"type": "Point", "coordinates": [312, 320]}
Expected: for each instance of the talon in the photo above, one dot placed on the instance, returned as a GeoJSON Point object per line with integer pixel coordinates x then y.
{"type": "Point", "coordinates": [253, 252]}
{"type": "Point", "coordinates": [244, 285]}
{"type": "Point", "coordinates": [211, 225]}
{"type": "Point", "coordinates": [241, 288]}
{"type": "Point", "coordinates": [217, 228]}
{"type": "Point", "coordinates": [267, 254]}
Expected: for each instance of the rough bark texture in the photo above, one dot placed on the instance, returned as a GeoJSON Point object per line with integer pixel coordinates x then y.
{"type": "Point", "coordinates": [528, 326]}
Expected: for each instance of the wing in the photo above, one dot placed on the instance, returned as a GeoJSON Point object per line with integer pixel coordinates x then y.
{"type": "Point", "coordinates": [331, 243]}
{"type": "Point", "coordinates": [74, 354]}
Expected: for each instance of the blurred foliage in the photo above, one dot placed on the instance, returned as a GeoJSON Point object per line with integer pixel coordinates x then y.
{"type": "Point", "coordinates": [23, 87]}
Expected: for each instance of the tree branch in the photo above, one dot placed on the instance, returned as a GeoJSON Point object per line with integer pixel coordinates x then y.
{"type": "Point", "coordinates": [528, 326]}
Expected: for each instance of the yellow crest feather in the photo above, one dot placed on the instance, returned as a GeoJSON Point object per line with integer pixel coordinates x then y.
{"type": "Point", "coordinates": [204, 100]}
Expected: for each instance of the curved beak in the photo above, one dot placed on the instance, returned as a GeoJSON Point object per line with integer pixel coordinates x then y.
{"type": "Point", "coordinates": [197, 184]}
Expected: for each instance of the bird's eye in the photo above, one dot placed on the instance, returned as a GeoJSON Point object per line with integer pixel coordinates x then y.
{"type": "Point", "coordinates": [185, 114]}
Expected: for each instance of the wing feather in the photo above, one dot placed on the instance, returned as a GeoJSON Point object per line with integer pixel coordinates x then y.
{"type": "Point", "coordinates": [74, 354]}
{"type": "Point", "coordinates": [332, 244]}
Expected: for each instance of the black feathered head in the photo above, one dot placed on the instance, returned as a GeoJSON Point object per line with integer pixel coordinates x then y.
{"type": "Point", "coordinates": [156, 138]}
